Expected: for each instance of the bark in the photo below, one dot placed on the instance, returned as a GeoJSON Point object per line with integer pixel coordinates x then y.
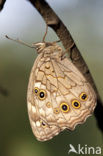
{"type": "Point", "coordinates": [2, 2]}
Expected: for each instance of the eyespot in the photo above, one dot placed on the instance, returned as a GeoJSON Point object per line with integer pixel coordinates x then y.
{"type": "Point", "coordinates": [42, 94]}
{"type": "Point", "coordinates": [64, 107]}
{"type": "Point", "coordinates": [83, 96]}
{"type": "Point", "coordinates": [43, 124]}
{"type": "Point", "coordinates": [56, 110]}
{"type": "Point", "coordinates": [48, 104]}
{"type": "Point", "coordinates": [36, 90]}
{"type": "Point", "coordinates": [76, 104]}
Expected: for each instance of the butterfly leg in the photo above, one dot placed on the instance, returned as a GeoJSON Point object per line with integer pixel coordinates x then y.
{"type": "Point", "coordinates": [70, 51]}
{"type": "Point", "coordinates": [43, 40]}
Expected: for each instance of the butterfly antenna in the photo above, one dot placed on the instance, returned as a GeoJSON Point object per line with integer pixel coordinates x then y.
{"type": "Point", "coordinates": [45, 33]}
{"type": "Point", "coordinates": [19, 41]}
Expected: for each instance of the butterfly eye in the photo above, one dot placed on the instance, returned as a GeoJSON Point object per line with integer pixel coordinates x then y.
{"type": "Point", "coordinates": [42, 94]}
{"type": "Point", "coordinates": [36, 90]}
{"type": "Point", "coordinates": [76, 104]}
{"type": "Point", "coordinates": [64, 107]}
{"type": "Point", "coordinates": [83, 96]}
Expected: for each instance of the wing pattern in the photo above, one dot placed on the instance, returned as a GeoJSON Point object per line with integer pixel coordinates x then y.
{"type": "Point", "coordinates": [59, 97]}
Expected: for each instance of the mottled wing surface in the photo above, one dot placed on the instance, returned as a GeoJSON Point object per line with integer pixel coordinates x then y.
{"type": "Point", "coordinates": [58, 97]}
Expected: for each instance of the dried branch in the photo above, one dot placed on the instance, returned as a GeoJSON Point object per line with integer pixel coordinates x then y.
{"type": "Point", "coordinates": [2, 2]}
{"type": "Point", "coordinates": [53, 21]}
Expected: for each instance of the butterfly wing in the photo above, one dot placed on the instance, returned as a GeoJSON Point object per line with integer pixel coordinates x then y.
{"type": "Point", "coordinates": [81, 97]}
{"type": "Point", "coordinates": [58, 97]}
{"type": "Point", "coordinates": [41, 129]}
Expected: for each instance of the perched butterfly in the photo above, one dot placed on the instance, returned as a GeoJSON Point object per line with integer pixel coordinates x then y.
{"type": "Point", "coordinates": [59, 97]}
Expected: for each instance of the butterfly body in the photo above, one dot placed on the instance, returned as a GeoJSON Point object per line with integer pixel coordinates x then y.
{"type": "Point", "coordinates": [59, 97]}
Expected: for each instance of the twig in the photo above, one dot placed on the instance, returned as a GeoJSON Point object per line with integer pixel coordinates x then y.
{"type": "Point", "coordinates": [2, 2]}
{"type": "Point", "coordinates": [53, 21]}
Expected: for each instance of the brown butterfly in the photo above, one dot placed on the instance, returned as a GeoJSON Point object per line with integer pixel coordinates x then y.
{"type": "Point", "coordinates": [59, 97]}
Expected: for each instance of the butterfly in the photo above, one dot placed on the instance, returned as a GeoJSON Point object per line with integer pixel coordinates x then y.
{"type": "Point", "coordinates": [59, 97]}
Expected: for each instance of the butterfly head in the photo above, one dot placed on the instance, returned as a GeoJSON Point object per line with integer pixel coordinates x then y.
{"type": "Point", "coordinates": [47, 47]}
{"type": "Point", "coordinates": [39, 46]}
